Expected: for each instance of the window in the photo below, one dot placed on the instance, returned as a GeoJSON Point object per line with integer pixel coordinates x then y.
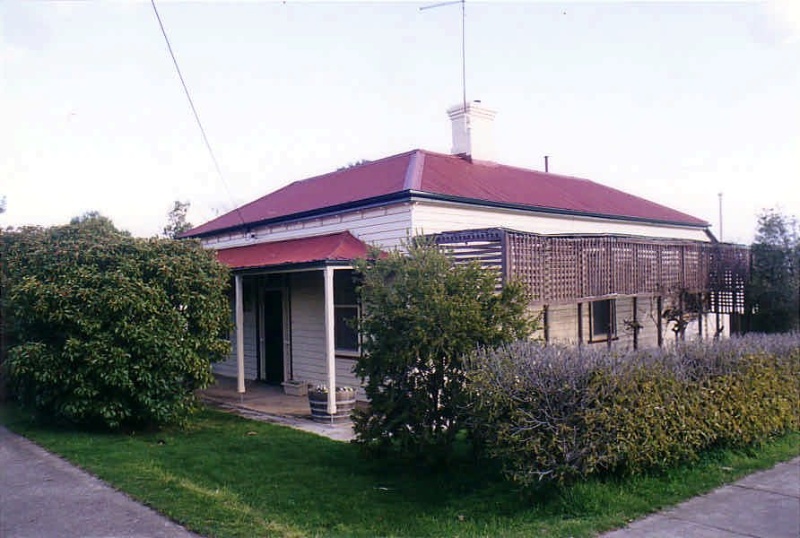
{"type": "Point", "coordinates": [603, 320]}
{"type": "Point", "coordinates": [345, 312]}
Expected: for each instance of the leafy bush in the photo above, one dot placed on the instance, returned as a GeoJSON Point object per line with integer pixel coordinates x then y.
{"type": "Point", "coordinates": [110, 330]}
{"type": "Point", "coordinates": [550, 413]}
{"type": "Point", "coordinates": [773, 294]}
{"type": "Point", "coordinates": [421, 315]}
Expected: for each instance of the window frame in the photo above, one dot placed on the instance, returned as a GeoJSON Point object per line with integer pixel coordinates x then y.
{"type": "Point", "coordinates": [340, 305]}
{"type": "Point", "coordinates": [610, 309]}
{"type": "Point", "coordinates": [345, 351]}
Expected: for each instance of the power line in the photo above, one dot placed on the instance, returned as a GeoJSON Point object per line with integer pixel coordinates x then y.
{"type": "Point", "coordinates": [196, 115]}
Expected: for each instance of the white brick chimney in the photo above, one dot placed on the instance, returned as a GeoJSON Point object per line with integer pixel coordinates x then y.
{"type": "Point", "coordinates": [472, 131]}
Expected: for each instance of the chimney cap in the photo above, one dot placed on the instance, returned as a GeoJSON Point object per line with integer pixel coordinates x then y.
{"type": "Point", "coordinates": [474, 108]}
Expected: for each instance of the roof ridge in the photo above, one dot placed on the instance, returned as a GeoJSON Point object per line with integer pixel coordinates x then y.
{"type": "Point", "coordinates": [343, 238]}
{"type": "Point", "coordinates": [416, 164]}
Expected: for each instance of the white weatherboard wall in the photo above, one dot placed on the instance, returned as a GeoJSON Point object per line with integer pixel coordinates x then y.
{"type": "Point", "coordinates": [346, 376]}
{"type": "Point", "coordinates": [308, 334]}
{"type": "Point", "coordinates": [709, 327]}
{"type": "Point", "coordinates": [435, 217]}
{"type": "Point", "coordinates": [385, 227]}
{"type": "Point", "coordinates": [624, 311]}
{"type": "Point", "coordinates": [228, 366]}
{"type": "Point", "coordinates": [563, 324]}
{"type": "Point", "coordinates": [308, 327]}
{"type": "Point", "coordinates": [647, 315]}
{"type": "Point", "coordinates": [388, 226]}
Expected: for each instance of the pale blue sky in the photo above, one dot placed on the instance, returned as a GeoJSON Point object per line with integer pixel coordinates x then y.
{"type": "Point", "coordinates": [674, 102]}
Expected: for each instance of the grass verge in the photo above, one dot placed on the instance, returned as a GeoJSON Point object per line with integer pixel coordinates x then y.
{"type": "Point", "coordinates": [227, 476]}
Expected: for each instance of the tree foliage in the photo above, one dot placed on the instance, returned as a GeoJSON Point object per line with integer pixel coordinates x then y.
{"type": "Point", "coordinates": [176, 220]}
{"type": "Point", "coordinates": [353, 164]}
{"type": "Point", "coordinates": [774, 293]}
{"type": "Point", "coordinates": [422, 315]}
{"type": "Point", "coordinates": [109, 330]}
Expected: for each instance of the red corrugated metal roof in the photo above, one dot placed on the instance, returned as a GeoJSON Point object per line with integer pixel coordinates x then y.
{"type": "Point", "coordinates": [334, 247]}
{"type": "Point", "coordinates": [452, 176]}
{"type": "Point", "coordinates": [448, 176]}
{"type": "Point", "coordinates": [373, 179]}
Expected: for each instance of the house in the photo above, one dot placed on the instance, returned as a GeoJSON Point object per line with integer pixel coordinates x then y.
{"type": "Point", "coordinates": [602, 264]}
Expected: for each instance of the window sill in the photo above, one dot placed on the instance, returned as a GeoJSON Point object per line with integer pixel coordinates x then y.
{"type": "Point", "coordinates": [347, 353]}
{"type": "Point", "coordinates": [602, 340]}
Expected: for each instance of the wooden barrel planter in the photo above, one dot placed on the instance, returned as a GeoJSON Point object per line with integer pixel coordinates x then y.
{"type": "Point", "coordinates": [345, 403]}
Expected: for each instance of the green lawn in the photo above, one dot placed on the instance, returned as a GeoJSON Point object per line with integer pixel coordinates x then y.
{"type": "Point", "coordinates": [227, 476]}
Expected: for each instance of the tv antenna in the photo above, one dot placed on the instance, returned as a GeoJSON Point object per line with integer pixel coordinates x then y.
{"type": "Point", "coordinates": [463, 43]}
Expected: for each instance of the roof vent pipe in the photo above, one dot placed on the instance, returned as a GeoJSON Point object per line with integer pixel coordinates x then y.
{"type": "Point", "coordinates": [546, 165]}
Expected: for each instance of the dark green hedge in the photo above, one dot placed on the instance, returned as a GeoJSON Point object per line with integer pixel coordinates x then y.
{"type": "Point", "coordinates": [556, 414]}
{"type": "Point", "coordinates": [108, 330]}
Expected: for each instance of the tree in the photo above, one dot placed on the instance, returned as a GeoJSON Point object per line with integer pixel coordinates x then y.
{"type": "Point", "coordinates": [353, 164]}
{"type": "Point", "coordinates": [422, 315]}
{"type": "Point", "coordinates": [774, 294]}
{"type": "Point", "coordinates": [95, 223]}
{"type": "Point", "coordinates": [109, 330]}
{"type": "Point", "coordinates": [176, 220]}
{"type": "Point", "coordinates": [2, 309]}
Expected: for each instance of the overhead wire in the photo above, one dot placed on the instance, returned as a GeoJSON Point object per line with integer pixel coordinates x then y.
{"type": "Point", "coordinates": [196, 115]}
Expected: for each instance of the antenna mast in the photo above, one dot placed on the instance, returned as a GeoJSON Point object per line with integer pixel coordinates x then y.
{"type": "Point", "coordinates": [463, 42]}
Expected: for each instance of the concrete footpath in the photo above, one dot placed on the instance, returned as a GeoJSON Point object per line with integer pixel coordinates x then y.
{"type": "Point", "coordinates": [43, 496]}
{"type": "Point", "coordinates": [762, 505]}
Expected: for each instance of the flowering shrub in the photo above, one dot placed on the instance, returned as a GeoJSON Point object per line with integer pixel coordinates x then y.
{"type": "Point", "coordinates": [556, 413]}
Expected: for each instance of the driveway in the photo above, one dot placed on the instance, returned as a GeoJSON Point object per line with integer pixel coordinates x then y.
{"type": "Point", "coordinates": [43, 496]}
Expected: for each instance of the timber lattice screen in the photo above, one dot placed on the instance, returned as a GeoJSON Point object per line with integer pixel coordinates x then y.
{"type": "Point", "coordinates": [569, 268]}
